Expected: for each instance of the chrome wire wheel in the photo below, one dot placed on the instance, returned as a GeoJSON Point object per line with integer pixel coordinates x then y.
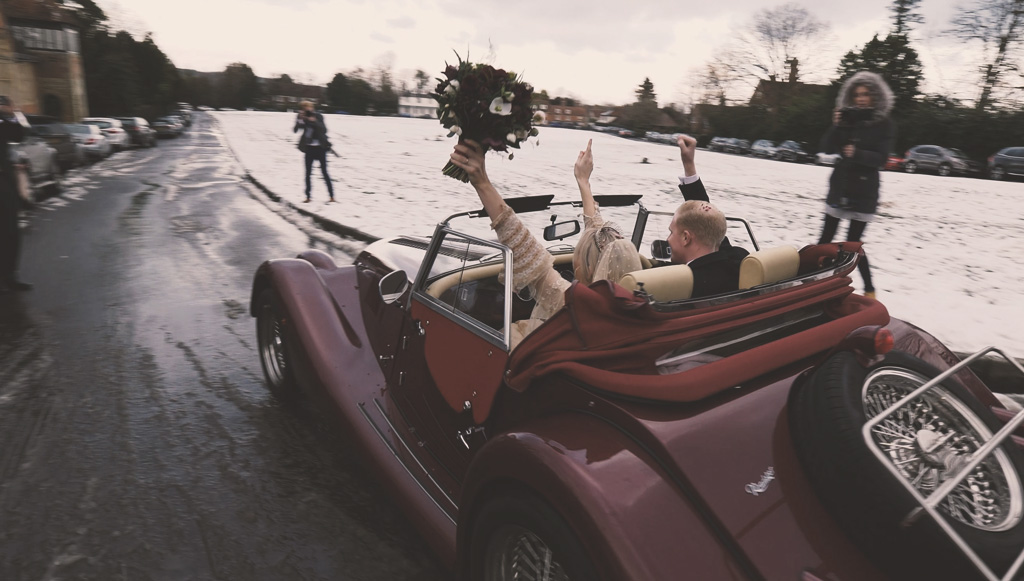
{"type": "Point", "coordinates": [271, 343]}
{"type": "Point", "coordinates": [515, 552]}
{"type": "Point", "coordinates": [932, 438]}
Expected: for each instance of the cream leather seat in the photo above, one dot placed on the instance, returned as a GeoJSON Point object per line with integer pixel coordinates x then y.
{"type": "Point", "coordinates": [663, 284]}
{"type": "Point", "coordinates": [768, 266]}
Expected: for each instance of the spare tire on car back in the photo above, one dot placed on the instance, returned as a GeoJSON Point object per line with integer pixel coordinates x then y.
{"type": "Point", "coordinates": [926, 441]}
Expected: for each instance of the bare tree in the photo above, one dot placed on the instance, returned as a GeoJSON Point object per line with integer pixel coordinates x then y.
{"type": "Point", "coordinates": [768, 46]}
{"type": "Point", "coordinates": [998, 25]}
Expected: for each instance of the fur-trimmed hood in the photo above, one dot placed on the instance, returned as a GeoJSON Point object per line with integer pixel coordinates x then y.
{"type": "Point", "coordinates": [880, 92]}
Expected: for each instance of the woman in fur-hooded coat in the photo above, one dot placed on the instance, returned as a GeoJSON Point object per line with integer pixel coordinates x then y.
{"type": "Point", "coordinates": [863, 134]}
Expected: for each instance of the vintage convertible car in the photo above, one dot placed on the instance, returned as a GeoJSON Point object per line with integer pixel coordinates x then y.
{"type": "Point", "coordinates": [790, 430]}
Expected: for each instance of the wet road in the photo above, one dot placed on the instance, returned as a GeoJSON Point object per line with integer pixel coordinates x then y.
{"type": "Point", "coordinates": [137, 439]}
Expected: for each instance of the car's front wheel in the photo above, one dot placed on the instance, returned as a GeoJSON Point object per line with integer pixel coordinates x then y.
{"type": "Point", "coordinates": [945, 169]}
{"type": "Point", "coordinates": [910, 167]}
{"type": "Point", "coordinates": [519, 536]}
{"type": "Point", "coordinates": [997, 173]}
{"type": "Point", "coordinates": [272, 342]}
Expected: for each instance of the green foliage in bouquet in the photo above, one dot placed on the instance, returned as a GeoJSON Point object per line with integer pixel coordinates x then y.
{"type": "Point", "coordinates": [490, 106]}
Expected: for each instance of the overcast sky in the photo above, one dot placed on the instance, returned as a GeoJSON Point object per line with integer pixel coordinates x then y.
{"type": "Point", "coordinates": [598, 51]}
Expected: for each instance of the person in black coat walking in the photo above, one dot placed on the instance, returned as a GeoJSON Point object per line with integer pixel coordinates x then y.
{"type": "Point", "coordinates": [314, 144]}
{"type": "Point", "coordinates": [863, 134]}
{"type": "Point", "coordinates": [11, 130]}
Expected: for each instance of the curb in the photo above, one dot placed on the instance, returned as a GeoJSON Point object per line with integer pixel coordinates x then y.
{"type": "Point", "coordinates": [325, 223]}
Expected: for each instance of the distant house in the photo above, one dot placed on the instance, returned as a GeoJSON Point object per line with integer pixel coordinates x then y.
{"type": "Point", "coordinates": [419, 105]}
{"type": "Point", "coordinates": [288, 96]}
{"type": "Point", "coordinates": [566, 115]}
{"type": "Point", "coordinates": [40, 59]}
{"type": "Point", "coordinates": [609, 116]}
{"type": "Point", "coordinates": [771, 94]}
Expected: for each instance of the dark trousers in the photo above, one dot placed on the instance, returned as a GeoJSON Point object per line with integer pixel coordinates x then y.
{"type": "Point", "coordinates": [853, 235]}
{"type": "Point", "coordinates": [318, 154]}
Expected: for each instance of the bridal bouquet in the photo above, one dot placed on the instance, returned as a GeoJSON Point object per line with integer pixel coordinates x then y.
{"type": "Point", "coordinates": [490, 106]}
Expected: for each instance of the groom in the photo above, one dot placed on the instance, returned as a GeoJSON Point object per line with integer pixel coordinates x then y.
{"type": "Point", "coordinates": [314, 144]}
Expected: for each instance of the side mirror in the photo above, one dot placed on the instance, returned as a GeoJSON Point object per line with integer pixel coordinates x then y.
{"type": "Point", "coordinates": [661, 250]}
{"type": "Point", "coordinates": [560, 230]}
{"type": "Point", "coordinates": [393, 286]}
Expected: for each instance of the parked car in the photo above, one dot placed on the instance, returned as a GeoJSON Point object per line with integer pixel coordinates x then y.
{"type": "Point", "coordinates": [894, 163]}
{"type": "Point", "coordinates": [719, 144]}
{"type": "Point", "coordinates": [791, 151]}
{"type": "Point", "coordinates": [185, 115]}
{"type": "Point", "coordinates": [822, 158]}
{"type": "Point", "coordinates": [1008, 161]}
{"type": "Point", "coordinates": [91, 139]}
{"type": "Point", "coordinates": [167, 127]}
{"type": "Point", "coordinates": [738, 146]}
{"type": "Point", "coordinates": [763, 148]}
{"type": "Point", "coordinates": [113, 129]}
{"type": "Point", "coordinates": [39, 161]}
{"type": "Point", "coordinates": [141, 134]}
{"type": "Point", "coordinates": [941, 160]}
{"type": "Point", "coordinates": [639, 433]}
{"type": "Point", "coordinates": [57, 136]}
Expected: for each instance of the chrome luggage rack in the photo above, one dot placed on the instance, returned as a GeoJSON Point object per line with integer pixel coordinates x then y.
{"type": "Point", "coordinates": [929, 504]}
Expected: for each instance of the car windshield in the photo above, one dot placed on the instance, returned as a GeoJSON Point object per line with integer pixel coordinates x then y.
{"type": "Point", "coordinates": [957, 153]}
{"type": "Point", "coordinates": [80, 128]}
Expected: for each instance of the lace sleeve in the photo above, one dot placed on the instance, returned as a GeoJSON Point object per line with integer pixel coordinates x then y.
{"type": "Point", "coordinates": [595, 221]}
{"type": "Point", "coordinates": [530, 260]}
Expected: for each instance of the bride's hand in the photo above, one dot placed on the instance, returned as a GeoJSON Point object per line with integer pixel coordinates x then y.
{"type": "Point", "coordinates": [470, 156]}
{"type": "Point", "coordinates": [584, 164]}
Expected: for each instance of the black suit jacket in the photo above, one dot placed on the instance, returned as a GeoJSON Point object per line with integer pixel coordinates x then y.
{"type": "Point", "coordinates": [718, 272]}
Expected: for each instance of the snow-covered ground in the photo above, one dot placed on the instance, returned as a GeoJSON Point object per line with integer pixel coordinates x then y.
{"type": "Point", "coordinates": [942, 249]}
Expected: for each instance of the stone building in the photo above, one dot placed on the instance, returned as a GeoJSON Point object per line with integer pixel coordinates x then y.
{"type": "Point", "coordinates": [40, 59]}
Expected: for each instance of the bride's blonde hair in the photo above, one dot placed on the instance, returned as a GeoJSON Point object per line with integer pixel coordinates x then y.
{"type": "Point", "coordinates": [604, 254]}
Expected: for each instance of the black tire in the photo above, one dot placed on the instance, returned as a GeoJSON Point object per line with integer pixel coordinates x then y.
{"type": "Point", "coordinates": [512, 530]}
{"type": "Point", "coordinates": [273, 344]}
{"type": "Point", "coordinates": [827, 415]}
{"type": "Point", "coordinates": [945, 169]}
{"type": "Point", "coordinates": [997, 173]}
{"type": "Point", "coordinates": [910, 167]}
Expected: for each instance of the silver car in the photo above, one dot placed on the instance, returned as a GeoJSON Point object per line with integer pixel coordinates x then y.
{"type": "Point", "coordinates": [114, 130]}
{"type": "Point", "coordinates": [1005, 162]}
{"type": "Point", "coordinates": [941, 160]}
{"type": "Point", "coordinates": [39, 160]}
{"type": "Point", "coordinates": [91, 139]}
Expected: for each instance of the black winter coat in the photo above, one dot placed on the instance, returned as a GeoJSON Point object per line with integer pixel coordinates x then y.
{"type": "Point", "coordinates": [319, 132]}
{"type": "Point", "coordinates": [854, 183]}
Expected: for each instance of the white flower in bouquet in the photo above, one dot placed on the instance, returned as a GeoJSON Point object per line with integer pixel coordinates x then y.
{"type": "Point", "coordinates": [499, 106]}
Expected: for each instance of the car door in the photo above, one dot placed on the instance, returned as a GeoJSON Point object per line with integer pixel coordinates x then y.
{"type": "Point", "coordinates": [453, 352]}
{"type": "Point", "coordinates": [1015, 160]}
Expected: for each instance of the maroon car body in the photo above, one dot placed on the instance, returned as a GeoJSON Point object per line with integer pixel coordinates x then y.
{"type": "Point", "coordinates": [636, 473]}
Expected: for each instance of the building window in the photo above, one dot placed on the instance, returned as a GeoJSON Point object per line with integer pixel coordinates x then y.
{"type": "Point", "coordinates": [46, 38]}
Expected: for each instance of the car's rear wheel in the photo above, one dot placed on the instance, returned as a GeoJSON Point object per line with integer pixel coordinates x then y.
{"type": "Point", "coordinates": [272, 341]}
{"type": "Point", "coordinates": [926, 442]}
{"type": "Point", "coordinates": [910, 167]}
{"type": "Point", "coordinates": [518, 536]}
{"type": "Point", "coordinates": [945, 169]}
{"type": "Point", "coordinates": [997, 173]}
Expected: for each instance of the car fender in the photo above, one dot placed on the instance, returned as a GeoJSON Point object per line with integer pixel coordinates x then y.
{"type": "Point", "coordinates": [332, 343]}
{"type": "Point", "coordinates": [633, 521]}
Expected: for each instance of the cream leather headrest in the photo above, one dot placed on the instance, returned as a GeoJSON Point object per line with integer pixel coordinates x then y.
{"type": "Point", "coordinates": [664, 283]}
{"type": "Point", "coordinates": [768, 266]}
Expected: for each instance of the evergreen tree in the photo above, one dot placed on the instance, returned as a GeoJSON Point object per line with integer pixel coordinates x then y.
{"type": "Point", "coordinates": [904, 13]}
{"type": "Point", "coordinates": [240, 89]}
{"type": "Point", "coordinates": [895, 60]}
{"type": "Point", "coordinates": [645, 92]}
{"type": "Point", "coordinates": [337, 92]}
